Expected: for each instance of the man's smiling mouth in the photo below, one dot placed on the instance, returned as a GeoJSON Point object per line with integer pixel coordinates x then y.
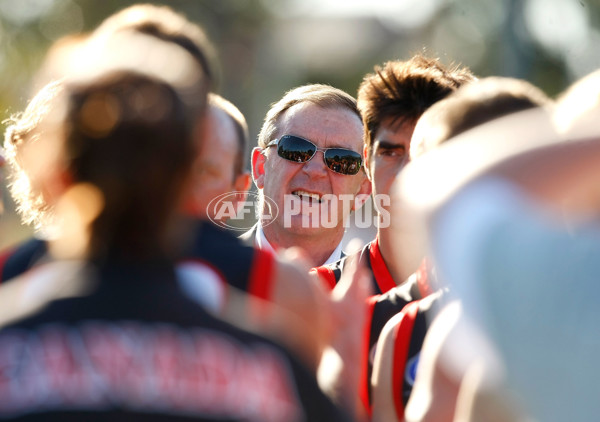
{"type": "Point", "coordinates": [308, 196]}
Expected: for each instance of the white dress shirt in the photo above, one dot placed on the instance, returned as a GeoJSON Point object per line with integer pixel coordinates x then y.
{"type": "Point", "coordinates": [261, 242]}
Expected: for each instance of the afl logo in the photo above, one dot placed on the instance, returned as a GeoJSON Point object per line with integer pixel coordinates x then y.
{"type": "Point", "coordinates": [232, 210]}
{"type": "Point", "coordinates": [411, 370]}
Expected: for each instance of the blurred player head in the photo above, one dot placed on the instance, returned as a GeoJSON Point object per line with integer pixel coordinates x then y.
{"type": "Point", "coordinates": [219, 168]}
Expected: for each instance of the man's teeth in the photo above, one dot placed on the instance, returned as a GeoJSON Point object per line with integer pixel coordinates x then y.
{"type": "Point", "coordinates": [307, 195]}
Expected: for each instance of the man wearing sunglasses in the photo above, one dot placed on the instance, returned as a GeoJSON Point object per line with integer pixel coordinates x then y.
{"type": "Point", "coordinates": [308, 167]}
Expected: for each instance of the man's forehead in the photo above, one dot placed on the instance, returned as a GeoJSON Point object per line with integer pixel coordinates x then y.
{"type": "Point", "coordinates": [324, 125]}
{"type": "Point", "coordinates": [398, 124]}
{"type": "Point", "coordinates": [395, 132]}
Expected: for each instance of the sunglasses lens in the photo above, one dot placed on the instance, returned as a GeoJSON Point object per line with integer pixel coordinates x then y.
{"type": "Point", "coordinates": [298, 150]}
{"type": "Point", "coordinates": [343, 161]}
{"type": "Point", "coordinates": [295, 149]}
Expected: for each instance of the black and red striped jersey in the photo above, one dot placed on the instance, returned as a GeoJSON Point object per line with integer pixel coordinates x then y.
{"type": "Point", "coordinates": [16, 260]}
{"type": "Point", "coordinates": [118, 342]}
{"type": "Point", "coordinates": [369, 255]}
{"type": "Point", "coordinates": [381, 308]}
{"type": "Point", "coordinates": [409, 335]}
{"type": "Point", "coordinates": [389, 300]}
{"type": "Point", "coordinates": [244, 267]}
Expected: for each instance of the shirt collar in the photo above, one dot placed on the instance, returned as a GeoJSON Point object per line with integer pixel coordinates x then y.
{"type": "Point", "coordinates": [261, 242]}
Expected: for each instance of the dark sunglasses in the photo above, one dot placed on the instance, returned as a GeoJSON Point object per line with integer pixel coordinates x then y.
{"type": "Point", "coordinates": [300, 150]}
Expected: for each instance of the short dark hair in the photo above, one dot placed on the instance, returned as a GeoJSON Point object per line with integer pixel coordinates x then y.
{"type": "Point", "coordinates": [403, 90]}
{"type": "Point", "coordinates": [131, 137]}
{"type": "Point", "coordinates": [164, 23]}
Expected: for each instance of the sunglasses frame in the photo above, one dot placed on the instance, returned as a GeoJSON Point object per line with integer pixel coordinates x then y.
{"type": "Point", "coordinates": [275, 142]}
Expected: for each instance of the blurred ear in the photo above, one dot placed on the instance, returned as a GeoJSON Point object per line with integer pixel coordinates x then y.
{"type": "Point", "coordinates": [367, 159]}
{"type": "Point", "coordinates": [258, 167]}
{"type": "Point", "coordinates": [55, 184]}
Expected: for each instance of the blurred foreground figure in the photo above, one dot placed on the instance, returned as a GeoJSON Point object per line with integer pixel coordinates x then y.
{"type": "Point", "coordinates": [27, 149]}
{"type": "Point", "coordinates": [399, 347]}
{"type": "Point", "coordinates": [25, 139]}
{"type": "Point", "coordinates": [204, 248]}
{"type": "Point", "coordinates": [2, 164]}
{"type": "Point", "coordinates": [105, 332]}
{"type": "Point", "coordinates": [516, 236]}
{"type": "Point", "coordinates": [219, 169]}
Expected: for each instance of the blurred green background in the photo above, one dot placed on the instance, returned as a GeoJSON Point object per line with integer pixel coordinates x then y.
{"type": "Point", "coordinates": [266, 47]}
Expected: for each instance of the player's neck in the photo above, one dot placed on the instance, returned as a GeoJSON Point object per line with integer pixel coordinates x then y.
{"type": "Point", "coordinates": [389, 252]}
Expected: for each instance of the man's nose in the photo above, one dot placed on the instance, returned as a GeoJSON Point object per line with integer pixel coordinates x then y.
{"type": "Point", "coordinates": [316, 165]}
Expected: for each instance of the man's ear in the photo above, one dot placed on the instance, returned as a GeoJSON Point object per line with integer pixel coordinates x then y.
{"type": "Point", "coordinates": [258, 167]}
{"type": "Point", "coordinates": [367, 161]}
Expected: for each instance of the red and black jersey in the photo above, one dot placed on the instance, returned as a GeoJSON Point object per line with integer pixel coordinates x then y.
{"type": "Point", "coordinates": [389, 300]}
{"type": "Point", "coordinates": [370, 255]}
{"type": "Point", "coordinates": [244, 267]}
{"type": "Point", "coordinates": [381, 308]}
{"type": "Point", "coordinates": [124, 343]}
{"type": "Point", "coordinates": [18, 259]}
{"type": "Point", "coordinates": [409, 335]}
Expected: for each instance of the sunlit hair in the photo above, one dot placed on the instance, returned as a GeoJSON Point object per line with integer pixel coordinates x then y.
{"type": "Point", "coordinates": [57, 55]}
{"type": "Point", "coordinates": [471, 105]}
{"type": "Point", "coordinates": [324, 96]}
{"type": "Point", "coordinates": [131, 137]}
{"type": "Point", "coordinates": [241, 129]}
{"type": "Point", "coordinates": [403, 90]}
{"type": "Point", "coordinates": [164, 23]}
{"type": "Point", "coordinates": [26, 129]}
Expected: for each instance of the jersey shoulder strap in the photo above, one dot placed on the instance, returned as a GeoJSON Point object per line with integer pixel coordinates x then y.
{"type": "Point", "coordinates": [402, 337]}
